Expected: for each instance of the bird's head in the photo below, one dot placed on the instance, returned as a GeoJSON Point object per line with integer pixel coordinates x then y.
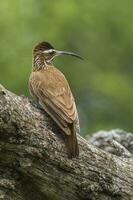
{"type": "Point", "coordinates": [47, 52]}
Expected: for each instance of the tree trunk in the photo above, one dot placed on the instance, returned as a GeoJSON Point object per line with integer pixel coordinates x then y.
{"type": "Point", "coordinates": [34, 163]}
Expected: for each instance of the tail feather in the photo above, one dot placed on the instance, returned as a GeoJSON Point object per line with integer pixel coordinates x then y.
{"type": "Point", "coordinates": [72, 144]}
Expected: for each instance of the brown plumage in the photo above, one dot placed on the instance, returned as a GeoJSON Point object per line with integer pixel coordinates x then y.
{"type": "Point", "coordinates": [53, 94]}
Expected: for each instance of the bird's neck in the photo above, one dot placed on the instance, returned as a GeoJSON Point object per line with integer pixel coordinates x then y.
{"type": "Point", "coordinates": [39, 63]}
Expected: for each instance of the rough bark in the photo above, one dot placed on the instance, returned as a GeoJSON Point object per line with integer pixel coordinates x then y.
{"type": "Point", "coordinates": [34, 163]}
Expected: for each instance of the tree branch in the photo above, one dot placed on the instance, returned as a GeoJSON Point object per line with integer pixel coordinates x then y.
{"type": "Point", "coordinates": [117, 142]}
{"type": "Point", "coordinates": [34, 162]}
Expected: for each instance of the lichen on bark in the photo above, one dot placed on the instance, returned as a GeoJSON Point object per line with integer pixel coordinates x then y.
{"type": "Point", "coordinates": [34, 162]}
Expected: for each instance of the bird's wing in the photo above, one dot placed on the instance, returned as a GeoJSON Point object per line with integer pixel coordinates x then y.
{"type": "Point", "coordinates": [54, 94]}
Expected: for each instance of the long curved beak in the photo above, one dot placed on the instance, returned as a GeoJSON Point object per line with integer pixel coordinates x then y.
{"type": "Point", "coordinates": [60, 53]}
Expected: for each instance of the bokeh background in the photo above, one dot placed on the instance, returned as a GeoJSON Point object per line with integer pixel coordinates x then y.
{"type": "Point", "coordinates": [100, 31]}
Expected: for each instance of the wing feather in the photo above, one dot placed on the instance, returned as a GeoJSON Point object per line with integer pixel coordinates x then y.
{"type": "Point", "coordinates": [54, 94]}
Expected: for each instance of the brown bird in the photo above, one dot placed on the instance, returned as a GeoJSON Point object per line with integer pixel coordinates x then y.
{"type": "Point", "coordinates": [53, 93]}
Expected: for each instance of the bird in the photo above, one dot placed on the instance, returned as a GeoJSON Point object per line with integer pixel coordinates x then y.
{"type": "Point", "coordinates": [52, 92]}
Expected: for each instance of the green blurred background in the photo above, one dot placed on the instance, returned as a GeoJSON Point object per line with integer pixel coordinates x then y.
{"type": "Point", "coordinates": [101, 31]}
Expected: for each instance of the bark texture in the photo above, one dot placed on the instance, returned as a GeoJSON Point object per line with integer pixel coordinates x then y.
{"type": "Point", "coordinates": [34, 163]}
